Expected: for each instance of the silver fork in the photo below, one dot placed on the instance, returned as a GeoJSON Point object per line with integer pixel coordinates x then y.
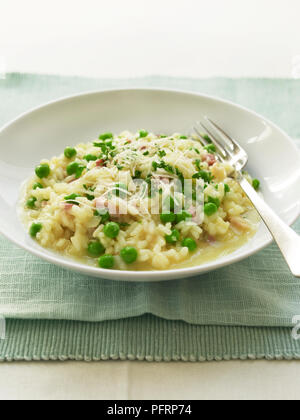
{"type": "Point", "coordinates": [231, 152]}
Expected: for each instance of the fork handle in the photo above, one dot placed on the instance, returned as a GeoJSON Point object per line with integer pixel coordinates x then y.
{"type": "Point", "coordinates": [285, 237]}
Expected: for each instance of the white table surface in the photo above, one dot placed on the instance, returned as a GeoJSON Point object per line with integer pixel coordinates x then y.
{"type": "Point", "coordinates": [238, 380]}
{"type": "Point", "coordinates": [117, 38]}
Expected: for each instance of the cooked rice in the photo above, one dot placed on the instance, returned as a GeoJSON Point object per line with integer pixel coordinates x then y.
{"type": "Point", "coordinates": [68, 227]}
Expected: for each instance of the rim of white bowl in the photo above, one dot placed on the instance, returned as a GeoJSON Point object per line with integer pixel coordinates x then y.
{"type": "Point", "coordinates": [122, 275]}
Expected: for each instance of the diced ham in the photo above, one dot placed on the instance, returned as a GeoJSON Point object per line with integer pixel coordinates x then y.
{"type": "Point", "coordinates": [210, 159]}
{"type": "Point", "coordinates": [211, 239]}
{"type": "Point", "coordinates": [101, 203]}
{"type": "Point", "coordinates": [68, 206]}
{"type": "Point", "coordinates": [196, 218]}
{"type": "Point", "coordinates": [240, 223]}
{"type": "Point", "coordinates": [192, 210]}
{"type": "Point", "coordinates": [164, 180]}
{"type": "Point", "coordinates": [100, 163]}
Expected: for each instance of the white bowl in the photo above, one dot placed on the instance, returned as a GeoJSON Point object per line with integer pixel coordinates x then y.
{"type": "Point", "coordinates": [46, 131]}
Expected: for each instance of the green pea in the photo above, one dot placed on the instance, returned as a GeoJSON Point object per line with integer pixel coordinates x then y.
{"type": "Point", "coordinates": [43, 170]}
{"type": "Point", "coordinates": [35, 229]}
{"type": "Point", "coordinates": [167, 217]}
{"type": "Point", "coordinates": [183, 137]}
{"type": "Point", "coordinates": [72, 168]}
{"type": "Point", "coordinates": [95, 249]}
{"type": "Point", "coordinates": [106, 136]}
{"type": "Point", "coordinates": [226, 188]}
{"type": "Point", "coordinates": [256, 184]}
{"type": "Point", "coordinates": [190, 244]}
{"type": "Point", "coordinates": [70, 152]}
{"type": "Point", "coordinates": [90, 158]}
{"type": "Point", "coordinates": [129, 254]}
{"type": "Point", "coordinates": [104, 214]}
{"type": "Point", "coordinates": [183, 216]}
{"type": "Point", "coordinates": [111, 230]}
{"type": "Point", "coordinates": [37, 185]}
{"type": "Point", "coordinates": [210, 209]}
{"type": "Point", "coordinates": [214, 200]}
{"type": "Point", "coordinates": [211, 148]}
{"type": "Point", "coordinates": [31, 203]}
{"type": "Point", "coordinates": [75, 169]}
{"type": "Point", "coordinates": [120, 190]}
{"type": "Point", "coordinates": [106, 261]}
{"type": "Point", "coordinates": [143, 133]}
{"type": "Point", "coordinates": [174, 237]}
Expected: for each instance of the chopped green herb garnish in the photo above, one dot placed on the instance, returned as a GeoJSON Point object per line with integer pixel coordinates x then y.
{"type": "Point", "coordinates": [226, 188]}
{"type": "Point", "coordinates": [37, 185]}
{"type": "Point", "coordinates": [106, 136]}
{"type": "Point", "coordinates": [169, 204]}
{"type": "Point", "coordinates": [198, 164]}
{"type": "Point", "coordinates": [72, 196]}
{"type": "Point", "coordinates": [90, 158]}
{"type": "Point", "coordinates": [207, 138]}
{"type": "Point", "coordinates": [124, 224]}
{"type": "Point", "coordinates": [211, 148]}
{"type": "Point", "coordinates": [163, 165]}
{"type": "Point", "coordinates": [206, 176]}
{"type": "Point", "coordinates": [120, 190]}
{"type": "Point", "coordinates": [162, 154]}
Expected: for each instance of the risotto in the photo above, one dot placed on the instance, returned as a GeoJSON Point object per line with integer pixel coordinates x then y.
{"type": "Point", "coordinates": [138, 202]}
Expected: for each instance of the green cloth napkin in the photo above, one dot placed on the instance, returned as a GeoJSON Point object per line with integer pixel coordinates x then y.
{"type": "Point", "coordinates": [244, 310]}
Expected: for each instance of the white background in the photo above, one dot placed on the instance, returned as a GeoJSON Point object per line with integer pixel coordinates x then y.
{"type": "Point", "coordinates": [128, 38]}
